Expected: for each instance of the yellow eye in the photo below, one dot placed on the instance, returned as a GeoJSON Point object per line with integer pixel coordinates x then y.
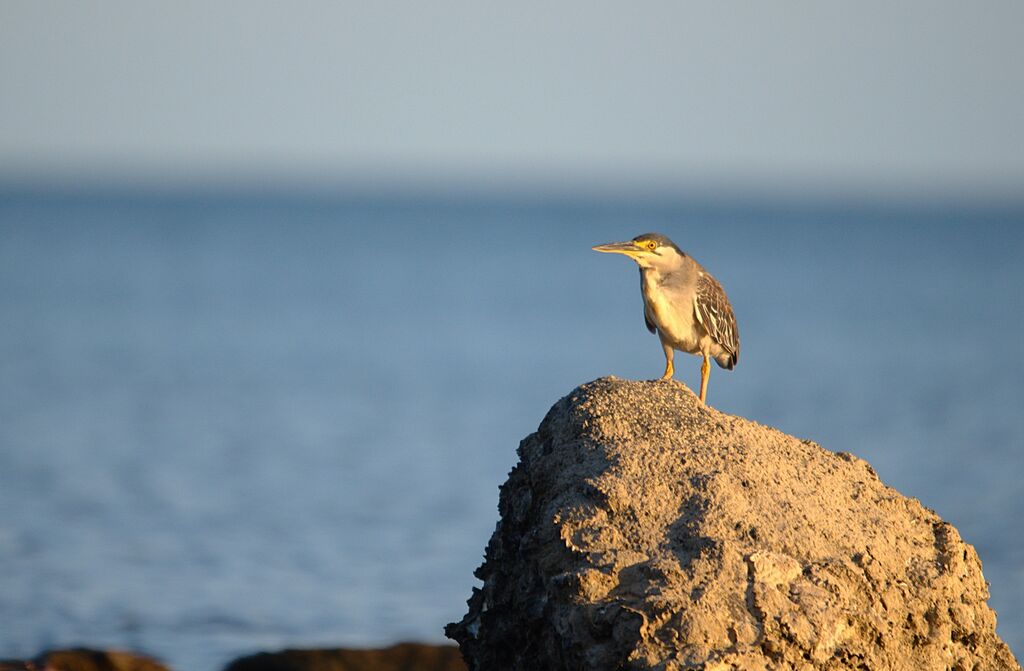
{"type": "Point", "coordinates": [652, 245]}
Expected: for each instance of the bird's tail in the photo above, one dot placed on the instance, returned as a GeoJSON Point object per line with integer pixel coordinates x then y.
{"type": "Point", "coordinates": [727, 360]}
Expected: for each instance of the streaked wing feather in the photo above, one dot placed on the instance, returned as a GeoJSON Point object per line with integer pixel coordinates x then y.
{"type": "Point", "coordinates": [714, 312]}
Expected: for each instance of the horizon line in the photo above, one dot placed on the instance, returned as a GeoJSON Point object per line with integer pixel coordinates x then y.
{"type": "Point", "coordinates": [541, 190]}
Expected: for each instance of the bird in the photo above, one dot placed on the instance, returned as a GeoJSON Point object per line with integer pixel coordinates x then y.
{"type": "Point", "coordinates": [683, 304]}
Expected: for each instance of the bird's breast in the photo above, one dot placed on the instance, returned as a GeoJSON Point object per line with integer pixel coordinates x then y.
{"type": "Point", "coordinates": [672, 314]}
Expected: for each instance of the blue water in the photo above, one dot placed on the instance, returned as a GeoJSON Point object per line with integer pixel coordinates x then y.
{"type": "Point", "coordinates": [241, 422]}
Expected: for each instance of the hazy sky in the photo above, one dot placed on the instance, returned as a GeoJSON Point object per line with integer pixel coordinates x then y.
{"type": "Point", "coordinates": [886, 96]}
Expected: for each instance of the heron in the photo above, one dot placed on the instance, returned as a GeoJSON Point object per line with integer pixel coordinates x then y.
{"type": "Point", "coordinates": [683, 304]}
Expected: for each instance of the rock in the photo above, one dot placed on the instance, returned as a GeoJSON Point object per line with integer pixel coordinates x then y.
{"type": "Point", "coordinates": [17, 665]}
{"type": "Point", "coordinates": [401, 657]}
{"type": "Point", "coordinates": [643, 530]}
{"type": "Point", "coordinates": [86, 659]}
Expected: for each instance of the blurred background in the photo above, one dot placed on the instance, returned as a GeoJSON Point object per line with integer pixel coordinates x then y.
{"type": "Point", "coordinates": [283, 284]}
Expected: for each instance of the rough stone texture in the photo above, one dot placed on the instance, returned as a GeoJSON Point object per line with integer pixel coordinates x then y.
{"type": "Point", "coordinates": [643, 530]}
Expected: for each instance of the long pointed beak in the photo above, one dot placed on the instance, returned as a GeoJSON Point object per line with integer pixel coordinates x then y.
{"type": "Point", "coordinates": [626, 248]}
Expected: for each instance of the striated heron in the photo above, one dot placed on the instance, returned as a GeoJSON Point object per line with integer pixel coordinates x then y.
{"type": "Point", "coordinates": [683, 304]}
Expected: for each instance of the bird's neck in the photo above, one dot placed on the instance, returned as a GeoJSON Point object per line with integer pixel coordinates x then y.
{"type": "Point", "coordinates": [653, 275]}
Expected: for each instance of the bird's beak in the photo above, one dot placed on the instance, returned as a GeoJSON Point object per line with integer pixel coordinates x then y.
{"type": "Point", "coordinates": [628, 248]}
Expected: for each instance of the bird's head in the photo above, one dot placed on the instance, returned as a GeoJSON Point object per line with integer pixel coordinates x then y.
{"type": "Point", "coordinates": [650, 250]}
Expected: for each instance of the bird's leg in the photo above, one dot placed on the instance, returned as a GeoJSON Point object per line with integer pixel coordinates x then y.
{"type": "Point", "coordinates": [705, 371]}
{"type": "Point", "coordinates": [669, 353]}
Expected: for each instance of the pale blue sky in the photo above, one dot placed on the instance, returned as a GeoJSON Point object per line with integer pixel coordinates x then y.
{"type": "Point", "coordinates": [889, 98]}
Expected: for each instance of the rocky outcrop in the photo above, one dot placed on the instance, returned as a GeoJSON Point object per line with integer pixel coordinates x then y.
{"type": "Point", "coordinates": [643, 530]}
{"type": "Point", "coordinates": [401, 657]}
{"type": "Point", "coordinates": [88, 659]}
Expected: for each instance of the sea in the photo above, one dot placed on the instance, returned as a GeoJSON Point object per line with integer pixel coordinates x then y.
{"type": "Point", "coordinates": [241, 421]}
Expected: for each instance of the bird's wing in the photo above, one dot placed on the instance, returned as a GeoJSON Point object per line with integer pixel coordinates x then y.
{"type": "Point", "coordinates": [714, 312]}
{"type": "Point", "coordinates": [647, 315]}
{"type": "Point", "coordinates": [647, 320]}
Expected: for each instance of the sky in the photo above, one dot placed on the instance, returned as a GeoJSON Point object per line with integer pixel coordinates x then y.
{"type": "Point", "coordinates": [909, 98]}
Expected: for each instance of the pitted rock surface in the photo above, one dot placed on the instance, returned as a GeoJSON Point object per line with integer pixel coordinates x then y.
{"type": "Point", "coordinates": [644, 530]}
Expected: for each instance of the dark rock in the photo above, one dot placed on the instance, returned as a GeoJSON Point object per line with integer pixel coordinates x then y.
{"type": "Point", "coordinates": [17, 665]}
{"type": "Point", "coordinates": [85, 659]}
{"type": "Point", "coordinates": [401, 657]}
{"type": "Point", "coordinates": [644, 530]}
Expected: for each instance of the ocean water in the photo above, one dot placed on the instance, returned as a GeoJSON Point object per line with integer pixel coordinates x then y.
{"type": "Point", "coordinates": [241, 422]}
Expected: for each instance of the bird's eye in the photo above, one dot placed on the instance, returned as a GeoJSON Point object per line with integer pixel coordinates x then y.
{"type": "Point", "coordinates": [652, 245]}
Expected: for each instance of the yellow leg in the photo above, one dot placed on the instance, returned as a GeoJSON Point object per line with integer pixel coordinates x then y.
{"type": "Point", "coordinates": [705, 371]}
{"type": "Point", "coordinates": [669, 369]}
